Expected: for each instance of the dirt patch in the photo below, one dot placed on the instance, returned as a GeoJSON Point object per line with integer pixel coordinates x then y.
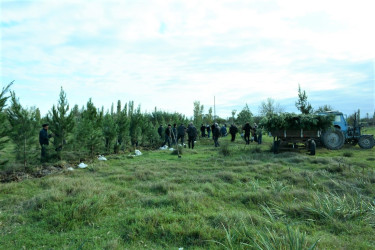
{"type": "Point", "coordinates": [23, 175]}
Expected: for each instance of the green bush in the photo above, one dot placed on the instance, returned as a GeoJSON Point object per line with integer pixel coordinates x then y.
{"type": "Point", "coordinates": [225, 149]}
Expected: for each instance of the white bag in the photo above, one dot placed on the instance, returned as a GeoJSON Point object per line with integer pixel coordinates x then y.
{"type": "Point", "coordinates": [82, 165]}
{"type": "Point", "coordinates": [102, 158]}
{"type": "Point", "coordinates": [137, 152]}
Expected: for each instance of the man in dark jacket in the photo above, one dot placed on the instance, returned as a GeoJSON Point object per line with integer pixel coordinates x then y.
{"type": "Point", "coordinates": [44, 142]}
{"type": "Point", "coordinates": [247, 128]}
{"type": "Point", "coordinates": [174, 134]}
{"type": "Point", "coordinates": [192, 135]}
{"type": "Point", "coordinates": [203, 130]}
{"type": "Point", "coordinates": [233, 130]}
{"type": "Point", "coordinates": [208, 131]}
{"type": "Point", "coordinates": [216, 134]}
{"type": "Point", "coordinates": [181, 130]}
{"type": "Point", "coordinates": [160, 131]}
{"type": "Point", "coordinates": [168, 136]}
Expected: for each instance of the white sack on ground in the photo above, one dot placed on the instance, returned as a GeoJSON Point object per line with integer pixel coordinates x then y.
{"type": "Point", "coordinates": [102, 158]}
{"type": "Point", "coordinates": [82, 165]}
{"type": "Point", "coordinates": [137, 152]}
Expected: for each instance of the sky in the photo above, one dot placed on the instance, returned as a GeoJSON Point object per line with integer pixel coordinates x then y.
{"type": "Point", "coordinates": [168, 54]}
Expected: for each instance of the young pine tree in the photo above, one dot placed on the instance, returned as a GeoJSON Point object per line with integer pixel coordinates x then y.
{"type": "Point", "coordinates": [122, 122]}
{"type": "Point", "coordinates": [61, 122]}
{"type": "Point", "coordinates": [4, 127]}
{"type": "Point", "coordinates": [135, 125]}
{"type": "Point", "coordinates": [302, 104]}
{"type": "Point", "coordinates": [110, 131]}
{"type": "Point", "coordinates": [89, 135]}
{"type": "Point", "coordinates": [24, 129]}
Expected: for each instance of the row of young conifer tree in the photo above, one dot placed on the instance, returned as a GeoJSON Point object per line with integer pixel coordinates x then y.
{"type": "Point", "coordinates": [77, 132]}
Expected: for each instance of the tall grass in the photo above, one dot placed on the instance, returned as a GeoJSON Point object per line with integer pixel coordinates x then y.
{"type": "Point", "coordinates": [265, 239]}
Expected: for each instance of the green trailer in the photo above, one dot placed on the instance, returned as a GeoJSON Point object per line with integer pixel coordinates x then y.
{"type": "Point", "coordinates": [294, 138]}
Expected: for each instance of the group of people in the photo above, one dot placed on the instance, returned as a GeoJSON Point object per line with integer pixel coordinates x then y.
{"type": "Point", "coordinates": [172, 135]}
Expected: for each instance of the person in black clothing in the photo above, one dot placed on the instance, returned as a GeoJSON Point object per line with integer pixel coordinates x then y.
{"type": "Point", "coordinates": [212, 129]}
{"type": "Point", "coordinates": [192, 135]}
{"type": "Point", "coordinates": [233, 130]}
{"type": "Point", "coordinates": [44, 142]}
{"type": "Point", "coordinates": [181, 133]}
{"type": "Point", "coordinates": [203, 130]}
{"type": "Point", "coordinates": [216, 134]}
{"type": "Point", "coordinates": [247, 128]}
{"type": "Point", "coordinates": [208, 131]}
{"type": "Point", "coordinates": [174, 134]}
{"type": "Point", "coordinates": [168, 134]}
{"type": "Point", "coordinates": [160, 131]}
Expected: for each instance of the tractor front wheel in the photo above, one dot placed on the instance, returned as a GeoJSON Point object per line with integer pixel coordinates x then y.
{"type": "Point", "coordinates": [366, 141]}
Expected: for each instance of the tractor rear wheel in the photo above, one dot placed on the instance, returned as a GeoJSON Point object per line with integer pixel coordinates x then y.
{"type": "Point", "coordinates": [334, 139]}
{"type": "Point", "coordinates": [366, 141]}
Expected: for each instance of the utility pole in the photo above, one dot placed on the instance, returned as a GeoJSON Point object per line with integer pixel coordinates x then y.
{"type": "Point", "coordinates": [214, 109]}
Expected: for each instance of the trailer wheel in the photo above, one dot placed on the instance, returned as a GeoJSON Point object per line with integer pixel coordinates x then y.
{"type": "Point", "coordinates": [312, 147]}
{"type": "Point", "coordinates": [276, 146]}
{"type": "Point", "coordinates": [334, 139]}
{"type": "Point", "coordinates": [366, 141]}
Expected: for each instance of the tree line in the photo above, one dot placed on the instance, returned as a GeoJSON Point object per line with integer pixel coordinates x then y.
{"type": "Point", "coordinates": [90, 130]}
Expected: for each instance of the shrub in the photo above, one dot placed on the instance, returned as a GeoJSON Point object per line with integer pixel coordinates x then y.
{"type": "Point", "coordinates": [177, 151]}
{"type": "Point", "coordinates": [225, 149]}
{"type": "Point", "coordinates": [347, 154]}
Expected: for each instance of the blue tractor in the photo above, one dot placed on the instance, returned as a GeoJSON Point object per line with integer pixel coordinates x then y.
{"type": "Point", "coordinates": [342, 133]}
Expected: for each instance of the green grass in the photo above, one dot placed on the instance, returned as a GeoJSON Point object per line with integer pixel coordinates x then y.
{"type": "Point", "coordinates": [245, 198]}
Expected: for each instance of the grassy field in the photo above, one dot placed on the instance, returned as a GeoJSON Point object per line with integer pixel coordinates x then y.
{"type": "Point", "coordinates": [248, 199]}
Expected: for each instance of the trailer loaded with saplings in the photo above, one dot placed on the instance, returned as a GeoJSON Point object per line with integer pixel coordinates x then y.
{"type": "Point", "coordinates": [291, 130]}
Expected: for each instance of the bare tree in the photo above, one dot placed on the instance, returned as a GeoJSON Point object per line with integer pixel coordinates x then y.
{"type": "Point", "coordinates": [270, 107]}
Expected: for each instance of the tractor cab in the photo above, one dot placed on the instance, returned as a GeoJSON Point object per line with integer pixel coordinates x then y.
{"type": "Point", "coordinates": [339, 121]}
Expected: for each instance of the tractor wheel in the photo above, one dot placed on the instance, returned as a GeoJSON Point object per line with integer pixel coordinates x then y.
{"type": "Point", "coordinates": [334, 139]}
{"type": "Point", "coordinates": [366, 141]}
{"type": "Point", "coordinates": [312, 147]}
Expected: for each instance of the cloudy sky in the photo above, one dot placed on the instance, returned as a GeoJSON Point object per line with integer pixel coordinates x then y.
{"type": "Point", "coordinates": [169, 54]}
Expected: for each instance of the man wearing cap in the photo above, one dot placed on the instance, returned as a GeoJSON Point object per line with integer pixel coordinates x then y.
{"type": "Point", "coordinates": [44, 142]}
{"type": "Point", "coordinates": [216, 134]}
